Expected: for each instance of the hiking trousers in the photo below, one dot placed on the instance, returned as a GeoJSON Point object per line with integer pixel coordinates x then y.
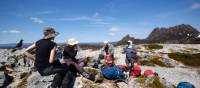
{"type": "Point", "coordinates": [57, 68]}
{"type": "Point", "coordinates": [130, 63]}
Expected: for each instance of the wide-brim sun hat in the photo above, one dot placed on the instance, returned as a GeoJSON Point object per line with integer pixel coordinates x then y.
{"type": "Point", "coordinates": [105, 42]}
{"type": "Point", "coordinates": [72, 41]}
{"type": "Point", "coordinates": [49, 32]}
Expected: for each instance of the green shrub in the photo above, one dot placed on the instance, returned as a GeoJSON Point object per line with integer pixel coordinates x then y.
{"type": "Point", "coordinates": [186, 58]}
{"type": "Point", "coordinates": [154, 46]}
{"type": "Point", "coordinates": [152, 62]}
{"type": "Point", "coordinates": [156, 82]}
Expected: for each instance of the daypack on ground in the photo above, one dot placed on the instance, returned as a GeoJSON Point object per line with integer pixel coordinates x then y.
{"type": "Point", "coordinates": [136, 71]}
{"type": "Point", "coordinates": [108, 61]}
{"type": "Point", "coordinates": [112, 73]}
{"type": "Point", "coordinates": [185, 85]}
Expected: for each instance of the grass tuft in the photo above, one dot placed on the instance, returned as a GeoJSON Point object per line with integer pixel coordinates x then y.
{"type": "Point", "coordinates": [154, 46]}
{"type": "Point", "coordinates": [192, 60]}
{"type": "Point", "coordinates": [152, 62]}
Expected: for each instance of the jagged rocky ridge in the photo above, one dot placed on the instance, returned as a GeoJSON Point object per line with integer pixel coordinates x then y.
{"type": "Point", "coordinates": [180, 34]}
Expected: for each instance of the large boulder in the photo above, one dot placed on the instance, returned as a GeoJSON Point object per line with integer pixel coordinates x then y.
{"type": "Point", "coordinates": [5, 79]}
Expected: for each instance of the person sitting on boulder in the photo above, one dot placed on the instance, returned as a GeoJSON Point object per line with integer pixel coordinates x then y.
{"type": "Point", "coordinates": [69, 53]}
{"type": "Point", "coordinates": [130, 55]}
{"type": "Point", "coordinates": [107, 49]}
{"type": "Point", "coordinates": [45, 52]}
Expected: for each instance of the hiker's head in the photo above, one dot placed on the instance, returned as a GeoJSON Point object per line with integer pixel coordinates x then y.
{"type": "Point", "coordinates": [50, 33]}
{"type": "Point", "coordinates": [130, 42]}
{"type": "Point", "coordinates": [105, 43]}
{"type": "Point", "coordinates": [72, 42]}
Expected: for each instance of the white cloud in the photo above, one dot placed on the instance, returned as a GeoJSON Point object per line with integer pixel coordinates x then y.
{"type": "Point", "coordinates": [94, 19]}
{"type": "Point", "coordinates": [12, 31]}
{"type": "Point", "coordinates": [113, 31]}
{"type": "Point", "coordinates": [112, 34]}
{"type": "Point", "coordinates": [196, 6]}
{"type": "Point", "coordinates": [37, 20]}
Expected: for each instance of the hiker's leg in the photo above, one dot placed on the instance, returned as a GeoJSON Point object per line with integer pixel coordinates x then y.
{"type": "Point", "coordinates": [101, 56]}
{"type": "Point", "coordinates": [132, 63]}
{"type": "Point", "coordinates": [69, 80]}
{"type": "Point", "coordinates": [59, 70]}
{"type": "Point", "coordinates": [78, 69]}
{"type": "Point", "coordinates": [127, 63]}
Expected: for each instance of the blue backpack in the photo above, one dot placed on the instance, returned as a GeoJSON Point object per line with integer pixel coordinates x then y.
{"type": "Point", "coordinates": [112, 73]}
{"type": "Point", "coordinates": [185, 85]}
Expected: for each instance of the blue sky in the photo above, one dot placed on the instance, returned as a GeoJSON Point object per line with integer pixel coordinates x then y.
{"type": "Point", "coordinates": [92, 20]}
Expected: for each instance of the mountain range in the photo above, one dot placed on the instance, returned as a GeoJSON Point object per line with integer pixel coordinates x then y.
{"type": "Point", "coordinates": [180, 34]}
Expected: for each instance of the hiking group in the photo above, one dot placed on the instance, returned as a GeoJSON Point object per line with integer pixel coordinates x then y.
{"type": "Point", "coordinates": [47, 54]}
{"type": "Point", "coordinates": [47, 61]}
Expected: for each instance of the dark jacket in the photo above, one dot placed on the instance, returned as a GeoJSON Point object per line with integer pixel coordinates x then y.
{"type": "Point", "coordinates": [70, 53]}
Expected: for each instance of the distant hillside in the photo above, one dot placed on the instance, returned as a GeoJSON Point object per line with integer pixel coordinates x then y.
{"type": "Point", "coordinates": [175, 35]}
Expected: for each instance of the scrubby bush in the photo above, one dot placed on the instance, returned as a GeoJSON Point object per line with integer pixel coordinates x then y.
{"type": "Point", "coordinates": [154, 46]}
{"type": "Point", "coordinates": [186, 58]}
{"type": "Point", "coordinates": [153, 61]}
{"type": "Point", "coordinates": [155, 84]}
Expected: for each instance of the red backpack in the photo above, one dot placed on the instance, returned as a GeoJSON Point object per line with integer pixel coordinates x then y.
{"type": "Point", "coordinates": [136, 71]}
{"type": "Point", "coordinates": [108, 61]}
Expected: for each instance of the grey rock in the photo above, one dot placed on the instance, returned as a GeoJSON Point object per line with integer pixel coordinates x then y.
{"type": "Point", "coordinates": [5, 79]}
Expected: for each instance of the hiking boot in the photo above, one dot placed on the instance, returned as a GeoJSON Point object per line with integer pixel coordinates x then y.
{"type": "Point", "coordinates": [96, 78]}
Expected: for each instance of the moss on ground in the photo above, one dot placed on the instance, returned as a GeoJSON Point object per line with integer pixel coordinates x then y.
{"type": "Point", "coordinates": [23, 82]}
{"type": "Point", "coordinates": [154, 60]}
{"type": "Point", "coordinates": [153, 46]}
{"type": "Point", "coordinates": [186, 58]}
{"type": "Point", "coordinates": [155, 84]}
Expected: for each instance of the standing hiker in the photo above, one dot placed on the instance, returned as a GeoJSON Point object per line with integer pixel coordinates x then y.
{"type": "Point", "coordinates": [130, 55]}
{"type": "Point", "coordinates": [69, 53]}
{"type": "Point", "coordinates": [45, 54]}
{"type": "Point", "coordinates": [107, 49]}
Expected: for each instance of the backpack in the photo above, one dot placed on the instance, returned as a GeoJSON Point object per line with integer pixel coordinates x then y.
{"type": "Point", "coordinates": [185, 85]}
{"type": "Point", "coordinates": [112, 73]}
{"type": "Point", "coordinates": [148, 72]}
{"type": "Point", "coordinates": [136, 71]}
{"type": "Point", "coordinates": [108, 61]}
{"type": "Point", "coordinates": [58, 53]}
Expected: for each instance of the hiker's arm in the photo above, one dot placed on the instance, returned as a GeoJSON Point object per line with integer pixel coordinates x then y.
{"type": "Point", "coordinates": [52, 55]}
{"type": "Point", "coordinates": [28, 50]}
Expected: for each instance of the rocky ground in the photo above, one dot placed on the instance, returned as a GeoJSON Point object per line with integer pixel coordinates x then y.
{"type": "Point", "coordinates": [16, 66]}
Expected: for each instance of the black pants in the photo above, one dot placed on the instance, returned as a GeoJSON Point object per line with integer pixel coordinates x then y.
{"type": "Point", "coordinates": [56, 68]}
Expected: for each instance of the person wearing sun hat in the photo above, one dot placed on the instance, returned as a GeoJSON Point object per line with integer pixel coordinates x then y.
{"type": "Point", "coordinates": [45, 52]}
{"type": "Point", "coordinates": [108, 49]}
{"type": "Point", "coordinates": [69, 53]}
{"type": "Point", "coordinates": [130, 52]}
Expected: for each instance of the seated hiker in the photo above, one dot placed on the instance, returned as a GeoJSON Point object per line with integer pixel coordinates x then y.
{"type": "Point", "coordinates": [111, 71]}
{"type": "Point", "coordinates": [70, 52]}
{"type": "Point", "coordinates": [45, 63]}
{"type": "Point", "coordinates": [107, 49]}
{"type": "Point", "coordinates": [130, 55]}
